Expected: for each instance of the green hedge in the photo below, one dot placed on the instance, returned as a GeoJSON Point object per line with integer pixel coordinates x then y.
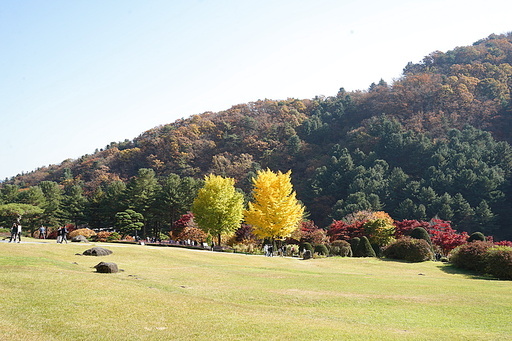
{"type": "Point", "coordinates": [409, 249]}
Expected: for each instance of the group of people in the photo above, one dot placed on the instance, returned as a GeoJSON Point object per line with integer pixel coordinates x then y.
{"type": "Point", "coordinates": [62, 233]}
{"type": "Point", "coordinates": [269, 250]}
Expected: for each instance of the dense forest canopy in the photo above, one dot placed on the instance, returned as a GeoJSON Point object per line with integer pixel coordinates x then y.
{"type": "Point", "coordinates": [434, 143]}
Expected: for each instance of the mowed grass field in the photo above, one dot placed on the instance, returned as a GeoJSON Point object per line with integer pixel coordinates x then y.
{"type": "Point", "coordinates": [50, 293]}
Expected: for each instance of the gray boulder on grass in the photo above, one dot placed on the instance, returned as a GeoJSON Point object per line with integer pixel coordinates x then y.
{"type": "Point", "coordinates": [97, 251]}
{"type": "Point", "coordinates": [79, 239]}
{"type": "Point", "coordinates": [106, 268]}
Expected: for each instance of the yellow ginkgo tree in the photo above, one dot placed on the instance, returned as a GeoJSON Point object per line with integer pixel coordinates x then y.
{"type": "Point", "coordinates": [274, 211]}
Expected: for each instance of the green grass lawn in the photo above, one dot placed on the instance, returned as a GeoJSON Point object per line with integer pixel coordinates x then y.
{"type": "Point", "coordinates": [50, 293]}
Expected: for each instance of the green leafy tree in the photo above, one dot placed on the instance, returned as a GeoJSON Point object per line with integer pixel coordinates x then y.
{"type": "Point", "coordinates": [9, 193]}
{"type": "Point", "coordinates": [140, 195]}
{"type": "Point", "coordinates": [485, 219]}
{"type": "Point", "coordinates": [16, 212]}
{"type": "Point", "coordinates": [175, 197]}
{"type": "Point", "coordinates": [112, 202]}
{"type": "Point", "coordinates": [52, 192]}
{"type": "Point", "coordinates": [218, 207]}
{"type": "Point", "coordinates": [33, 196]}
{"type": "Point", "coordinates": [129, 221]}
{"type": "Point", "coordinates": [73, 205]}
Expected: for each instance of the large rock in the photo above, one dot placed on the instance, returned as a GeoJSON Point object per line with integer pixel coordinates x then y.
{"type": "Point", "coordinates": [79, 239]}
{"type": "Point", "coordinates": [106, 268]}
{"type": "Point", "coordinates": [97, 251]}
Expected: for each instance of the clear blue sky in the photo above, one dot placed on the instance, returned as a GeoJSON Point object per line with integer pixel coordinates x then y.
{"type": "Point", "coordinates": [77, 75]}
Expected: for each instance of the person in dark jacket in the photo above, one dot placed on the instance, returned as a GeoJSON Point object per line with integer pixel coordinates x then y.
{"type": "Point", "coordinates": [15, 232]}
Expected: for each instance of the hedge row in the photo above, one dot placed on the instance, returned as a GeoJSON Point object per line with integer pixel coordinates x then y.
{"type": "Point", "coordinates": [485, 258]}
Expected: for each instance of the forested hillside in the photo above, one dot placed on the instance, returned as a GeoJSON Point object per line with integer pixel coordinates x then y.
{"type": "Point", "coordinates": [434, 143]}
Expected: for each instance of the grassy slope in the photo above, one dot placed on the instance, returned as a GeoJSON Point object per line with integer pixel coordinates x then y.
{"type": "Point", "coordinates": [49, 293]}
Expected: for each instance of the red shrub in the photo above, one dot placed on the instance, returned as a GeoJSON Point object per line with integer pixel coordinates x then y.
{"type": "Point", "coordinates": [339, 230]}
{"type": "Point", "coordinates": [404, 227]}
{"type": "Point", "coordinates": [443, 235]}
{"type": "Point", "coordinates": [504, 243]}
{"type": "Point", "coordinates": [471, 256]}
{"type": "Point", "coordinates": [185, 221]}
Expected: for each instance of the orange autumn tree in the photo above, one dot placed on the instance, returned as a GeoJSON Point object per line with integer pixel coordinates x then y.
{"type": "Point", "coordinates": [380, 228]}
{"type": "Point", "coordinates": [275, 211]}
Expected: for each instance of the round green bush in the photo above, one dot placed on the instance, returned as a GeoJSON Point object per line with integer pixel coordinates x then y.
{"type": "Point", "coordinates": [321, 249]}
{"type": "Point", "coordinates": [306, 246]}
{"type": "Point", "coordinates": [340, 248]}
{"type": "Point", "coordinates": [409, 249]}
{"type": "Point", "coordinates": [420, 233]}
{"type": "Point", "coordinates": [113, 236]}
{"type": "Point", "coordinates": [471, 256]}
{"type": "Point", "coordinates": [499, 262]}
{"type": "Point", "coordinates": [364, 248]}
{"type": "Point", "coordinates": [475, 236]}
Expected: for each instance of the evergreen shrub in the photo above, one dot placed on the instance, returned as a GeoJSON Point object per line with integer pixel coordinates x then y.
{"type": "Point", "coordinates": [306, 246]}
{"type": "Point", "coordinates": [377, 249]}
{"type": "Point", "coordinates": [476, 236]}
{"type": "Point", "coordinates": [321, 249]}
{"type": "Point", "coordinates": [354, 243]}
{"type": "Point", "coordinates": [113, 236]}
{"type": "Point", "coordinates": [340, 248]}
{"type": "Point", "coordinates": [409, 249]}
{"type": "Point", "coordinates": [420, 233]}
{"type": "Point", "coordinates": [471, 256]}
{"type": "Point", "coordinates": [364, 248]}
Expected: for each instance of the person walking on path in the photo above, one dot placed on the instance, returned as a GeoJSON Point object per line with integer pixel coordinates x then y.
{"type": "Point", "coordinates": [62, 235]}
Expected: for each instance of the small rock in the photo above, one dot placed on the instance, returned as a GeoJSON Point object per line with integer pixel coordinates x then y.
{"type": "Point", "coordinates": [104, 267]}
{"type": "Point", "coordinates": [97, 251]}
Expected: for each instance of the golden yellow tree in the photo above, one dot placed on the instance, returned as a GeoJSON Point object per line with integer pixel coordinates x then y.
{"type": "Point", "coordinates": [275, 211]}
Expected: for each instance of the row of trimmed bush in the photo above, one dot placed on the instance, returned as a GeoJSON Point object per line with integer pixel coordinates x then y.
{"type": "Point", "coordinates": [357, 247]}
{"type": "Point", "coordinates": [102, 236]}
{"type": "Point", "coordinates": [485, 258]}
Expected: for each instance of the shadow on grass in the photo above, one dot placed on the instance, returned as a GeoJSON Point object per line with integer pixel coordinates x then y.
{"type": "Point", "coordinates": [453, 270]}
{"type": "Point", "coordinates": [450, 269]}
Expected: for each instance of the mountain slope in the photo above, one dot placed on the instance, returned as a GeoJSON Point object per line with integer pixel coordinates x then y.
{"type": "Point", "coordinates": [392, 147]}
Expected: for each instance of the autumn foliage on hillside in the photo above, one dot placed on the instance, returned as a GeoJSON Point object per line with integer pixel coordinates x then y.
{"type": "Point", "coordinates": [433, 144]}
